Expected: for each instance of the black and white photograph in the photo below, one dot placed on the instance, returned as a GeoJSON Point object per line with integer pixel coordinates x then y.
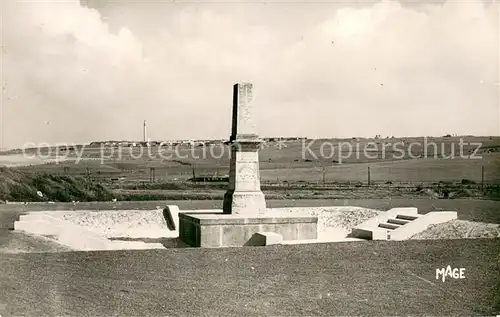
{"type": "Point", "coordinates": [249, 158]}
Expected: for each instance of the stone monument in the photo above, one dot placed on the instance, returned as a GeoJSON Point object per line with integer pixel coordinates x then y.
{"type": "Point", "coordinates": [243, 219]}
{"type": "Point", "coordinates": [244, 196]}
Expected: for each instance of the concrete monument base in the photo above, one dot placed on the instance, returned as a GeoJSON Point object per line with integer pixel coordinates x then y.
{"type": "Point", "coordinates": [229, 230]}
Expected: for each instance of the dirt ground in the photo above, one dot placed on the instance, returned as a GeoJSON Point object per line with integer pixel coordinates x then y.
{"type": "Point", "coordinates": [379, 278]}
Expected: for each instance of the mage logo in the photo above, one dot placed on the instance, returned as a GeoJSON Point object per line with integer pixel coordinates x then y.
{"type": "Point", "coordinates": [456, 273]}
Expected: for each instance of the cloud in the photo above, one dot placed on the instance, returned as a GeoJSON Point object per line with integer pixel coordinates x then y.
{"type": "Point", "coordinates": [381, 68]}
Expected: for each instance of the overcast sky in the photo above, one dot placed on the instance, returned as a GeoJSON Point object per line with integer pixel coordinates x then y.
{"type": "Point", "coordinates": [94, 71]}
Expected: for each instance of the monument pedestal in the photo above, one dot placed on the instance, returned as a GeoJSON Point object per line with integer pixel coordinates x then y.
{"type": "Point", "coordinates": [244, 203]}
{"type": "Point", "coordinates": [243, 196]}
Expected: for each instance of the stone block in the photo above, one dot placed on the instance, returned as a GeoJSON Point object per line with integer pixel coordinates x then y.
{"type": "Point", "coordinates": [171, 215]}
{"type": "Point", "coordinates": [403, 211]}
{"type": "Point", "coordinates": [265, 238]}
{"type": "Point", "coordinates": [369, 233]}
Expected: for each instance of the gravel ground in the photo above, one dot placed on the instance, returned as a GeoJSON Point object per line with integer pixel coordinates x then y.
{"type": "Point", "coordinates": [460, 229]}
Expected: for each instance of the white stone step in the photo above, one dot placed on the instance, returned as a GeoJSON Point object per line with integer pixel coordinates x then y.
{"type": "Point", "coordinates": [401, 222]}
{"type": "Point", "coordinates": [407, 217]}
{"type": "Point", "coordinates": [389, 226]}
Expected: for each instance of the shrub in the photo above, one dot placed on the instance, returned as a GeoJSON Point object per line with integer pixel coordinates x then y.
{"type": "Point", "coordinates": [467, 181]}
{"type": "Point", "coordinates": [18, 186]}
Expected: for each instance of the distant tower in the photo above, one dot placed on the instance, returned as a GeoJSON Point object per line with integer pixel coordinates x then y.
{"type": "Point", "coordinates": [145, 132]}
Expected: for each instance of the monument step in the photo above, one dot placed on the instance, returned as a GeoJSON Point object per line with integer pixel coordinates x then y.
{"type": "Point", "coordinates": [390, 226]}
{"type": "Point", "coordinates": [407, 217]}
{"type": "Point", "coordinates": [398, 221]}
{"type": "Point", "coordinates": [399, 224]}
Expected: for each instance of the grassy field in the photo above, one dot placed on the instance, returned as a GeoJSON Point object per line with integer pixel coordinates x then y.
{"type": "Point", "coordinates": [338, 279]}
{"type": "Point", "coordinates": [291, 160]}
{"type": "Point", "coordinates": [53, 187]}
{"type": "Point", "coordinates": [162, 173]}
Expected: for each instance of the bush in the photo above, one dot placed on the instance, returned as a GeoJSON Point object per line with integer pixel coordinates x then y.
{"type": "Point", "coordinates": [467, 182]}
{"type": "Point", "coordinates": [18, 186]}
{"type": "Point", "coordinates": [445, 183]}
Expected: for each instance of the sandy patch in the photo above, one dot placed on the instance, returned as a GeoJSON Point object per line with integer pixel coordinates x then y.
{"type": "Point", "coordinates": [459, 229]}
{"type": "Point", "coordinates": [120, 223]}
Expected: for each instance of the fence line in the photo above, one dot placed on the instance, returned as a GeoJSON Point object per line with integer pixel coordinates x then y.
{"type": "Point", "coordinates": [154, 174]}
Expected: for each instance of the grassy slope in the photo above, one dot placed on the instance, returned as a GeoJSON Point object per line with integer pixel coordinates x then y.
{"type": "Point", "coordinates": [338, 279]}
{"type": "Point", "coordinates": [24, 186]}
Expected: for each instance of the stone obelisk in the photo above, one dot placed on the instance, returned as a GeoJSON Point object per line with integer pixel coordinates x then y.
{"type": "Point", "coordinates": [243, 196]}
